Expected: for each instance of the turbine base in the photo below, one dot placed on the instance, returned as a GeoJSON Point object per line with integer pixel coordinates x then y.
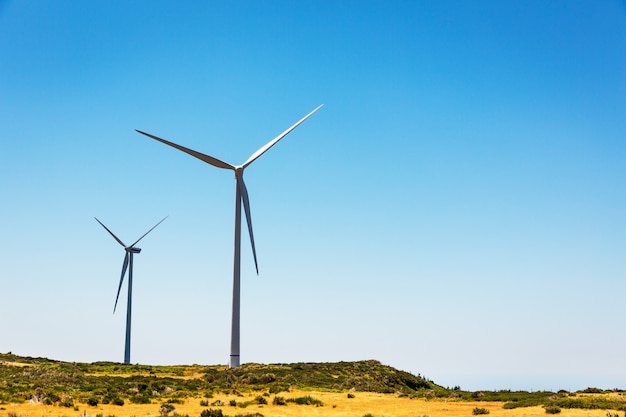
{"type": "Point", "coordinates": [234, 361]}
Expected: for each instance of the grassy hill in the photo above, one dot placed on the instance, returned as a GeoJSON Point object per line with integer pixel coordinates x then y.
{"type": "Point", "coordinates": [65, 384]}
{"type": "Point", "coordinates": [49, 381]}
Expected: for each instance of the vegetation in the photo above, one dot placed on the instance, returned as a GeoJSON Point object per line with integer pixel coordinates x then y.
{"type": "Point", "coordinates": [212, 413]}
{"type": "Point", "coordinates": [307, 400]}
{"type": "Point", "coordinates": [81, 385]}
{"type": "Point", "coordinates": [552, 409]}
{"type": "Point", "coordinates": [166, 409]}
{"type": "Point", "coordinates": [63, 383]}
{"type": "Point", "coordinates": [279, 401]}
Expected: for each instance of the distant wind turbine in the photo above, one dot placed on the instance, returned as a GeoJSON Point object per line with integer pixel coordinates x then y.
{"type": "Point", "coordinates": [241, 195]}
{"type": "Point", "coordinates": [128, 264]}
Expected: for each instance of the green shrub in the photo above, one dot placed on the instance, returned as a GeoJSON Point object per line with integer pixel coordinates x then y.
{"type": "Point", "coordinates": [233, 403]}
{"type": "Point", "coordinates": [92, 401]}
{"type": "Point", "coordinates": [278, 401]}
{"type": "Point", "coordinates": [478, 411]}
{"type": "Point", "coordinates": [306, 400]}
{"type": "Point", "coordinates": [166, 409]}
{"type": "Point", "coordinates": [592, 390]}
{"type": "Point", "coordinates": [275, 389]}
{"type": "Point", "coordinates": [117, 401]}
{"type": "Point", "coordinates": [212, 413]}
{"type": "Point", "coordinates": [260, 400]}
{"type": "Point", "coordinates": [175, 401]}
{"type": "Point", "coordinates": [350, 395]}
{"type": "Point", "coordinates": [204, 403]}
{"type": "Point", "coordinates": [552, 409]}
{"type": "Point", "coordinates": [66, 402]}
{"type": "Point", "coordinates": [140, 399]}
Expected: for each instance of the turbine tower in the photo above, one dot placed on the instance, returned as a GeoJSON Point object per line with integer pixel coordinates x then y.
{"type": "Point", "coordinates": [128, 264]}
{"type": "Point", "coordinates": [241, 196]}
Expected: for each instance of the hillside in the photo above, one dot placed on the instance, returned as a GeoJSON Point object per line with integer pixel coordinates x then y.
{"type": "Point", "coordinates": [65, 384]}
{"type": "Point", "coordinates": [49, 381]}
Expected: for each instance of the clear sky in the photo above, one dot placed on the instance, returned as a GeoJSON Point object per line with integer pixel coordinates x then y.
{"type": "Point", "coordinates": [456, 209]}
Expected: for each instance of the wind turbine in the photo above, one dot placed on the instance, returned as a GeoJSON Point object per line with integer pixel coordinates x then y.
{"type": "Point", "coordinates": [128, 264]}
{"type": "Point", "coordinates": [241, 196]}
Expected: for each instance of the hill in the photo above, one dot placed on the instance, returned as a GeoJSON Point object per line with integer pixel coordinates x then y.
{"type": "Point", "coordinates": [49, 381]}
{"type": "Point", "coordinates": [67, 384]}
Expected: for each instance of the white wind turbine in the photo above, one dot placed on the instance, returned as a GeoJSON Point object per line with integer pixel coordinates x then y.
{"type": "Point", "coordinates": [241, 195]}
{"type": "Point", "coordinates": [128, 264]}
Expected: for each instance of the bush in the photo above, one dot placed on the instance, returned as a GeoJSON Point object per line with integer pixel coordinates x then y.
{"type": "Point", "coordinates": [140, 399]}
{"type": "Point", "coordinates": [350, 395]}
{"type": "Point", "coordinates": [175, 401]}
{"type": "Point", "coordinates": [92, 401]}
{"type": "Point", "coordinates": [306, 400]}
{"type": "Point", "coordinates": [552, 409]}
{"type": "Point", "coordinates": [117, 401]}
{"type": "Point", "coordinates": [67, 402]}
{"type": "Point", "coordinates": [212, 413]}
{"type": "Point", "coordinates": [278, 401]}
{"type": "Point", "coordinates": [478, 411]}
{"type": "Point", "coordinates": [204, 403]}
{"type": "Point", "coordinates": [233, 403]}
{"type": "Point", "coordinates": [166, 409]}
{"type": "Point", "coordinates": [275, 389]}
{"type": "Point", "coordinates": [260, 400]}
{"type": "Point", "coordinates": [592, 390]}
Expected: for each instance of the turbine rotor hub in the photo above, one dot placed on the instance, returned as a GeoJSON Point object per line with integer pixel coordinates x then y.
{"type": "Point", "coordinates": [133, 250]}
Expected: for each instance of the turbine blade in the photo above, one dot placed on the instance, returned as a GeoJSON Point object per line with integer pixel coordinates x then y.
{"type": "Point", "coordinates": [144, 235]}
{"type": "Point", "coordinates": [206, 158]}
{"type": "Point", "coordinates": [107, 229]}
{"type": "Point", "coordinates": [124, 267]}
{"type": "Point", "coordinates": [246, 206]}
{"type": "Point", "coordinates": [273, 142]}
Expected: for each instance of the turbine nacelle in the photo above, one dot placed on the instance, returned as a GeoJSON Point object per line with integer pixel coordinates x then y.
{"type": "Point", "coordinates": [133, 250]}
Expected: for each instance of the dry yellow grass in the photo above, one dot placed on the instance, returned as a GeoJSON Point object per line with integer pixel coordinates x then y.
{"type": "Point", "coordinates": [335, 405]}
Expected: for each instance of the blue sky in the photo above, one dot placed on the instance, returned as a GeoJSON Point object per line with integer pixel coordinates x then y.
{"type": "Point", "coordinates": [456, 208]}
